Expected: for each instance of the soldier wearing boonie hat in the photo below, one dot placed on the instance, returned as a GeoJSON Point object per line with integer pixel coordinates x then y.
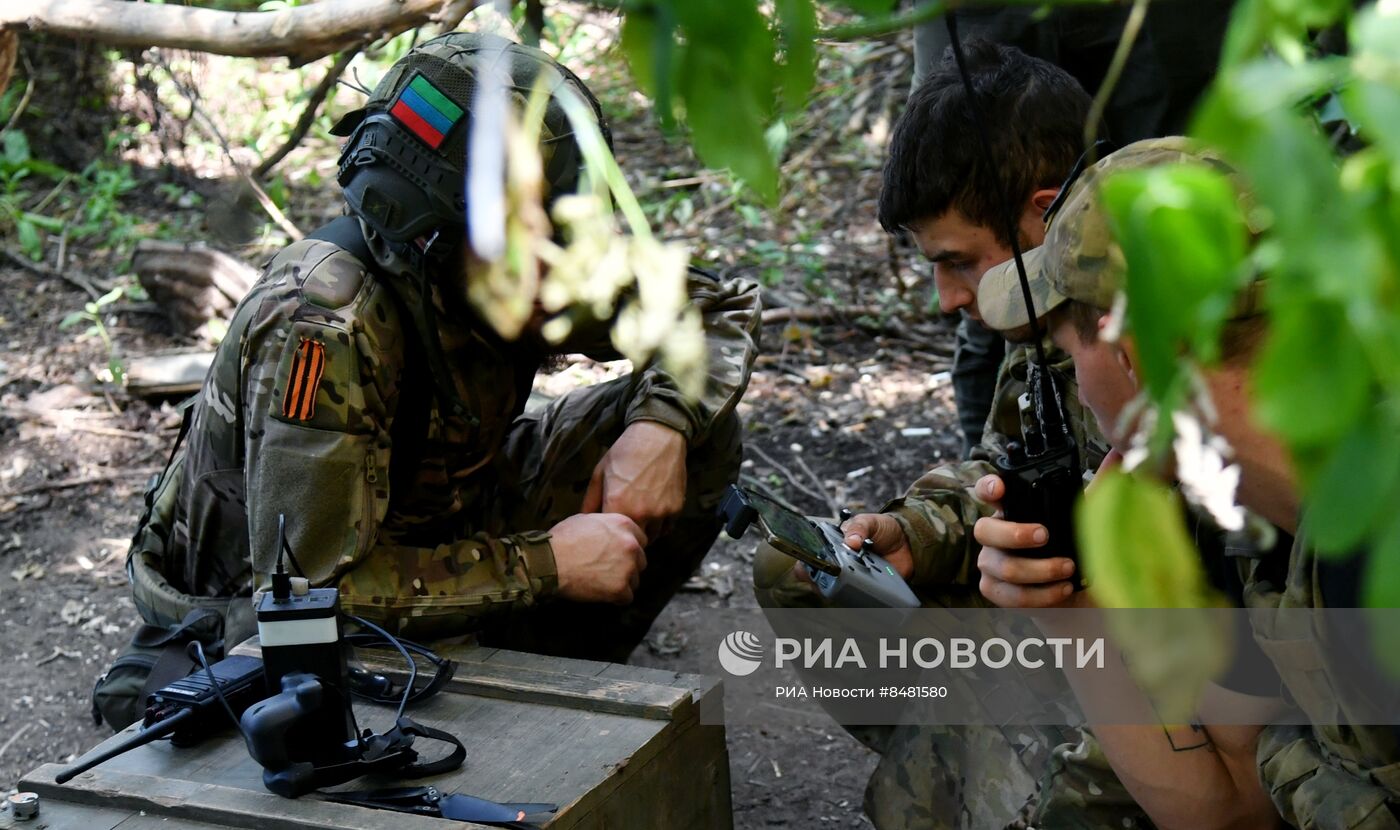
{"type": "Point", "coordinates": [1080, 260]}
{"type": "Point", "coordinates": [1335, 772]}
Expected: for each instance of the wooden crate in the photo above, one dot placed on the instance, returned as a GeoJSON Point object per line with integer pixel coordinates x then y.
{"type": "Point", "coordinates": [618, 747]}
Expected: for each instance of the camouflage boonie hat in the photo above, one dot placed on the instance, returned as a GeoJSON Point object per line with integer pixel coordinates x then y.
{"type": "Point", "coordinates": [402, 171]}
{"type": "Point", "coordinates": [1080, 260]}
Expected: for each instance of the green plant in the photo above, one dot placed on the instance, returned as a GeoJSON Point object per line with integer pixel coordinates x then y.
{"type": "Point", "coordinates": [16, 167]}
{"type": "Point", "coordinates": [92, 313]}
{"type": "Point", "coordinates": [776, 262]}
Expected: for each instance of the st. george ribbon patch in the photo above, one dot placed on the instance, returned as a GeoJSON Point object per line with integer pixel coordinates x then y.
{"type": "Point", "coordinates": [299, 404]}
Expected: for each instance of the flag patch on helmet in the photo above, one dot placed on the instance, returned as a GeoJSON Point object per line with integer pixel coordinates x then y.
{"type": "Point", "coordinates": [299, 403]}
{"type": "Point", "coordinates": [425, 111]}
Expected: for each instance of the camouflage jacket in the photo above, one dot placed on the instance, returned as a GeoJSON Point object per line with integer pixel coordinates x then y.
{"type": "Point", "coordinates": [939, 510]}
{"type": "Point", "coordinates": [1329, 777]}
{"type": "Point", "coordinates": [318, 407]}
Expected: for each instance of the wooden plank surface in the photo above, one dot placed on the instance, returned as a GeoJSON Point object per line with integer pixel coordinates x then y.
{"type": "Point", "coordinates": [218, 805]}
{"type": "Point", "coordinates": [614, 746]}
{"type": "Point", "coordinates": [516, 751]}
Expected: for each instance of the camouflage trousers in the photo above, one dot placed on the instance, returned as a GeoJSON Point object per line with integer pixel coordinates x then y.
{"type": "Point", "coordinates": [553, 452]}
{"type": "Point", "coordinates": [934, 777]}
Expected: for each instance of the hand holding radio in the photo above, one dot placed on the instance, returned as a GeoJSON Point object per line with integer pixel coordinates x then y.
{"type": "Point", "coordinates": [1019, 568]}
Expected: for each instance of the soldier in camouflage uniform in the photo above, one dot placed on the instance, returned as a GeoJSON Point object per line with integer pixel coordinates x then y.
{"type": "Point", "coordinates": [1324, 776]}
{"type": "Point", "coordinates": [357, 394]}
{"type": "Point", "coordinates": [935, 777]}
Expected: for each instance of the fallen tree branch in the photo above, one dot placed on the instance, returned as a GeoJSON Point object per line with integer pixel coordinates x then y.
{"type": "Point", "coordinates": [308, 115]}
{"type": "Point", "coordinates": [789, 477]}
{"type": "Point", "coordinates": [68, 275]}
{"type": "Point", "coordinates": [67, 483]}
{"type": "Point", "coordinates": [193, 283]}
{"type": "Point", "coordinates": [15, 737]}
{"type": "Point", "coordinates": [303, 33]}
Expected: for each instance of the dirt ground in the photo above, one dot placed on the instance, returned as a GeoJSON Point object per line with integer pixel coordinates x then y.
{"type": "Point", "coordinates": [840, 412]}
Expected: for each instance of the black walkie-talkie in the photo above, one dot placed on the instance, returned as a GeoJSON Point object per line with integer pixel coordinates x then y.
{"type": "Point", "coordinates": [1042, 472]}
{"type": "Point", "coordinates": [1043, 477]}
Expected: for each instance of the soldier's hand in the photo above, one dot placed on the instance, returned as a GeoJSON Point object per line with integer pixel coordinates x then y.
{"type": "Point", "coordinates": [599, 557]}
{"type": "Point", "coordinates": [887, 537]}
{"type": "Point", "coordinates": [642, 476]}
{"type": "Point", "coordinates": [884, 533]}
{"type": "Point", "coordinates": [1011, 580]}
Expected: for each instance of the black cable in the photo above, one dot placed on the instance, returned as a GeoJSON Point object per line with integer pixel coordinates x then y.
{"type": "Point", "coordinates": [196, 649]}
{"type": "Point", "coordinates": [412, 665]}
{"type": "Point", "coordinates": [442, 665]}
{"type": "Point", "coordinates": [284, 546]}
{"type": "Point", "coordinates": [1073, 177]}
{"type": "Point", "coordinates": [1012, 226]}
{"type": "Point", "coordinates": [984, 139]}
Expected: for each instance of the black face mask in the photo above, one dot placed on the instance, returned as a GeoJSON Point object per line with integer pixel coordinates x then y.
{"type": "Point", "coordinates": [404, 192]}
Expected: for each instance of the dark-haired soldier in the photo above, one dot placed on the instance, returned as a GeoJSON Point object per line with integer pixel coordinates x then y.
{"type": "Point", "coordinates": [357, 394]}
{"type": "Point", "coordinates": [937, 187]}
{"type": "Point", "coordinates": [1172, 61]}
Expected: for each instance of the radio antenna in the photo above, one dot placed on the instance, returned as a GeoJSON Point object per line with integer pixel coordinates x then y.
{"type": "Point", "coordinates": [1013, 231]}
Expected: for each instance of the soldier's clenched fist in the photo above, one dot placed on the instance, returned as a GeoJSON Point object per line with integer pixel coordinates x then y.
{"type": "Point", "coordinates": [599, 557]}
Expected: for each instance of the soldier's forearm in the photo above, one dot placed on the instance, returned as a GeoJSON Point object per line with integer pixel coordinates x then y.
{"type": "Point", "coordinates": [1181, 776]}
{"type": "Point", "coordinates": [937, 515]}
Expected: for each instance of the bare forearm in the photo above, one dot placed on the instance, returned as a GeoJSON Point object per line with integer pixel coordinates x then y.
{"type": "Point", "coordinates": [1182, 776]}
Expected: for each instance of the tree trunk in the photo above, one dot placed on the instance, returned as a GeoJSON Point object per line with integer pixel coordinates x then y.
{"type": "Point", "coordinates": [303, 33]}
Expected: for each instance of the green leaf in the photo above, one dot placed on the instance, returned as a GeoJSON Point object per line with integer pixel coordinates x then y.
{"type": "Point", "coordinates": [1249, 116]}
{"type": "Point", "coordinates": [45, 168]}
{"type": "Point", "coordinates": [1183, 239]}
{"type": "Point", "coordinates": [48, 223]}
{"type": "Point", "coordinates": [726, 119]}
{"type": "Point", "coordinates": [1136, 554]}
{"type": "Point", "coordinates": [16, 148]}
{"type": "Point", "coordinates": [1357, 483]}
{"type": "Point", "coordinates": [1250, 24]}
{"type": "Point", "coordinates": [648, 42]}
{"type": "Point", "coordinates": [72, 318]}
{"type": "Point", "coordinates": [1373, 98]}
{"type": "Point", "coordinates": [110, 297]}
{"type": "Point", "coordinates": [1283, 25]}
{"type": "Point", "coordinates": [1312, 381]}
{"type": "Point", "coordinates": [29, 239]}
{"type": "Point", "coordinates": [797, 26]}
{"type": "Point", "coordinates": [1134, 545]}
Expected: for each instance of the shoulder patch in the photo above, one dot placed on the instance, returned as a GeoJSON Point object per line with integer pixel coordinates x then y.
{"type": "Point", "coordinates": [308, 364]}
{"type": "Point", "coordinates": [335, 281]}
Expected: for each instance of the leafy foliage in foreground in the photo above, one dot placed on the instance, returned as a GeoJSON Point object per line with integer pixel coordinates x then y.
{"type": "Point", "coordinates": [1327, 381]}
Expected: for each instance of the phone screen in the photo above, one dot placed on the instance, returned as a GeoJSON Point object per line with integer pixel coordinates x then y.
{"type": "Point", "coordinates": [793, 528]}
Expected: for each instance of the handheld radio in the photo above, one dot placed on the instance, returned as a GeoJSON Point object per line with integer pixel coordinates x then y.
{"type": "Point", "coordinates": [1043, 472]}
